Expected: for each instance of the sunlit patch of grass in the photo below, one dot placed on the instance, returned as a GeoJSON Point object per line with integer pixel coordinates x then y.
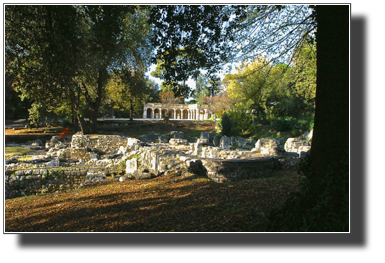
{"type": "Point", "coordinates": [17, 150]}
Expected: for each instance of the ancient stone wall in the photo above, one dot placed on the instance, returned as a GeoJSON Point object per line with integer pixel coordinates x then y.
{"type": "Point", "coordinates": [298, 146]}
{"type": "Point", "coordinates": [239, 169]}
{"type": "Point", "coordinates": [105, 143]}
{"type": "Point", "coordinates": [42, 181]}
{"type": "Point", "coordinates": [139, 160]}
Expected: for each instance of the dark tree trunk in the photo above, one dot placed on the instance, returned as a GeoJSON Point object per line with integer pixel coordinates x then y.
{"type": "Point", "coordinates": [82, 124]}
{"type": "Point", "coordinates": [93, 117]}
{"type": "Point", "coordinates": [75, 107]}
{"type": "Point", "coordinates": [131, 111]}
{"type": "Point", "coordinates": [331, 121]}
{"type": "Point", "coordinates": [94, 104]}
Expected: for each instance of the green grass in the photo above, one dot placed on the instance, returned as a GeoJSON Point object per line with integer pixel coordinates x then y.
{"type": "Point", "coordinates": [17, 150]}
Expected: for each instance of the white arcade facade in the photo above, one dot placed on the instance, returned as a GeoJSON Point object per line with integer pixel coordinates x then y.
{"type": "Point", "coordinates": [177, 111]}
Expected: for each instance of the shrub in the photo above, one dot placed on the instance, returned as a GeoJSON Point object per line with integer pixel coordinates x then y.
{"type": "Point", "coordinates": [242, 123]}
{"type": "Point", "coordinates": [225, 125]}
{"type": "Point", "coordinates": [296, 126]}
{"type": "Point", "coordinates": [235, 123]}
{"type": "Point", "coordinates": [283, 123]}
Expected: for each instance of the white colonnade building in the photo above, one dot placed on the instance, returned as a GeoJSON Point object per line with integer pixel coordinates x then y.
{"type": "Point", "coordinates": [177, 111]}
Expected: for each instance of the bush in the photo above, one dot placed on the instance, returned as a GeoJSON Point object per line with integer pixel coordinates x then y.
{"type": "Point", "coordinates": [284, 123]}
{"type": "Point", "coordinates": [305, 124]}
{"type": "Point", "coordinates": [226, 125]}
{"type": "Point", "coordinates": [235, 123]}
{"type": "Point", "coordinates": [296, 126]}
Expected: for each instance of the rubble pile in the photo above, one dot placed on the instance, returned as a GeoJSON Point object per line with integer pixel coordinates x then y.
{"type": "Point", "coordinates": [89, 159]}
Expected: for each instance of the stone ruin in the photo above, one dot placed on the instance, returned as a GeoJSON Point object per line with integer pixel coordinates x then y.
{"type": "Point", "coordinates": [89, 159]}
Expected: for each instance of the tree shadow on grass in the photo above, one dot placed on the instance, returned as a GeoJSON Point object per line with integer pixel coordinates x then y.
{"type": "Point", "coordinates": [196, 207]}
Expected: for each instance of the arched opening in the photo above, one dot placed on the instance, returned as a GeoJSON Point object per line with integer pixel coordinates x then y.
{"type": "Point", "coordinates": [178, 114]}
{"type": "Point", "coordinates": [164, 111]}
{"type": "Point", "coordinates": [185, 114]}
{"type": "Point", "coordinates": [172, 112]}
{"type": "Point", "coordinates": [156, 114]}
{"type": "Point", "coordinates": [149, 112]}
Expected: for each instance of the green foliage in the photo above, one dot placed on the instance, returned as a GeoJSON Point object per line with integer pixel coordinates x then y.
{"type": "Point", "coordinates": [57, 53]}
{"type": "Point", "coordinates": [282, 124]}
{"type": "Point", "coordinates": [127, 90]}
{"type": "Point", "coordinates": [274, 93]}
{"type": "Point", "coordinates": [176, 85]}
{"type": "Point", "coordinates": [188, 38]}
{"type": "Point", "coordinates": [235, 123]}
{"type": "Point", "coordinates": [322, 205]}
{"type": "Point", "coordinates": [35, 113]}
{"type": "Point", "coordinates": [241, 122]}
{"type": "Point", "coordinates": [225, 125]}
{"type": "Point", "coordinates": [296, 126]}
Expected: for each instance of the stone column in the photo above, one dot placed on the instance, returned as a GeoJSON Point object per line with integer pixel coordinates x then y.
{"type": "Point", "coordinates": [160, 113]}
{"type": "Point", "coordinates": [206, 116]}
{"type": "Point", "coordinates": [145, 113]}
{"type": "Point", "coordinates": [152, 113]}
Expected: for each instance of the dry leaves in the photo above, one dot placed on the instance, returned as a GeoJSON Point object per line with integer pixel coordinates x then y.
{"type": "Point", "coordinates": [157, 205]}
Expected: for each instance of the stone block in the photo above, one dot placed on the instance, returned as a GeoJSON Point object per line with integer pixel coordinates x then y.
{"type": "Point", "coordinates": [152, 138]}
{"type": "Point", "coordinates": [204, 138]}
{"type": "Point", "coordinates": [143, 174]}
{"type": "Point", "coordinates": [105, 143]}
{"type": "Point", "coordinates": [133, 144]}
{"type": "Point", "coordinates": [177, 135]}
{"type": "Point", "coordinates": [267, 146]}
{"type": "Point", "coordinates": [197, 148]}
{"type": "Point", "coordinates": [216, 140]}
{"type": "Point", "coordinates": [225, 142]}
{"type": "Point", "coordinates": [131, 165]}
{"type": "Point", "coordinates": [164, 138]}
{"type": "Point", "coordinates": [174, 141]}
{"type": "Point", "coordinates": [294, 145]}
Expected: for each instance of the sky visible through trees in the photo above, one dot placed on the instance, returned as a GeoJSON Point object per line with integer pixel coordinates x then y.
{"type": "Point", "coordinates": [268, 32]}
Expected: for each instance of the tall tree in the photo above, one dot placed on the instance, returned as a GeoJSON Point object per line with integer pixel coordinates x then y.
{"type": "Point", "coordinates": [177, 85]}
{"type": "Point", "coordinates": [276, 30]}
{"type": "Point", "coordinates": [41, 45]}
{"type": "Point", "coordinates": [323, 203]}
{"type": "Point", "coordinates": [55, 50]}
{"type": "Point", "coordinates": [331, 124]}
{"type": "Point", "coordinates": [114, 36]}
{"type": "Point", "coordinates": [188, 38]}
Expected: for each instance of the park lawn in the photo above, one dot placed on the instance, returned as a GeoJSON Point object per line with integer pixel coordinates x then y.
{"type": "Point", "coordinates": [17, 150]}
{"type": "Point", "coordinates": [34, 131]}
{"type": "Point", "coordinates": [135, 129]}
{"type": "Point", "coordinates": [191, 204]}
